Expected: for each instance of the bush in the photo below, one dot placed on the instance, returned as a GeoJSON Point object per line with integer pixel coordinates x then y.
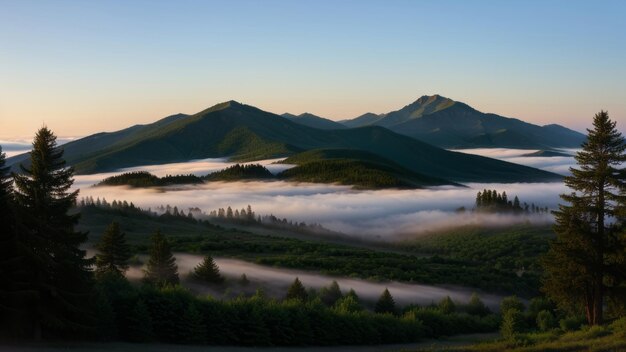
{"type": "Point", "coordinates": [545, 320]}
{"type": "Point", "coordinates": [619, 326]}
{"type": "Point", "coordinates": [570, 323]}
{"type": "Point", "coordinates": [512, 323]}
{"type": "Point", "coordinates": [475, 306]}
{"type": "Point", "coordinates": [446, 305]}
{"type": "Point", "coordinates": [596, 331]}
{"type": "Point", "coordinates": [511, 302]}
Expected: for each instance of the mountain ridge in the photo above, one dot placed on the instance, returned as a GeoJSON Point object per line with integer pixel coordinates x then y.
{"type": "Point", "coordinates": [448, 123]}
{"type": "Point", "coordinates": [246, 133]}
{"type": "Point", "coordinates": [314, 121]}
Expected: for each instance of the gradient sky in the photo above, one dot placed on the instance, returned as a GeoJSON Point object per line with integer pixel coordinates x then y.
{"type": "Point", "coordinates": [86, 66]}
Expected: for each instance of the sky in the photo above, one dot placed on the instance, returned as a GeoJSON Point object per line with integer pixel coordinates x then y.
{"type": "Point", "coordinates": [82, 67]}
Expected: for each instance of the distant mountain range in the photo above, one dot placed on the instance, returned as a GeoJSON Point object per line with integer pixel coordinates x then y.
{"type": "Point", "coordinates": [245, 133]}
{"type": "Point", "coordinates": [450, 124]}
{"type": "Point", "coordinates": [314, 121]}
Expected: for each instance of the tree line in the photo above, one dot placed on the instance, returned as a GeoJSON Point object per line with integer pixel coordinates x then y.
{"type": "Point", "coordinates": [493, 201]}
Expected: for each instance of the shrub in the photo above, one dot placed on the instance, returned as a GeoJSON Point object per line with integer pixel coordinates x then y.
{"type": "Point", "coordinates": [596, 331]}
{"type": "Point", "coordinates": [511, 302]}
{"type": "Point", "coordinates": [545, 320]}
{"type": "Point", "coordinates": [570, 323]}
{"type": "Point", "coordinates": [512, 323]}
{"type": "Point", "coordinates": [475, 306]}
{"type": "Point", "coordinates": [446, 305]}
{"type": "Point", "coordinates": [348, 304]}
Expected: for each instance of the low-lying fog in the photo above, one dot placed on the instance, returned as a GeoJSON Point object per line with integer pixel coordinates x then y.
{"type": "Point", "coordinates": [275, 282]}
{"type": "Point", "coordinates": [380, 214]}
{"type": "Point", "coordinates": [557, 164]}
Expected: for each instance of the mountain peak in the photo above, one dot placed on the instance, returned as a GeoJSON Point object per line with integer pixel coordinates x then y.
{"type": "Point", "coordinates": [221, 106]}
{"type": "Point", "coordinates": [432, 99]}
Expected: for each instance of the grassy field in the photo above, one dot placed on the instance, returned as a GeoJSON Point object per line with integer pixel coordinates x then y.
{"type": "Point", "coordinates": [609, 338]}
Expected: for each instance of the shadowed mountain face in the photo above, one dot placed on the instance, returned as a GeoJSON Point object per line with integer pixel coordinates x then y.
{"type": "Point", "coordinates": [450, 124]}
{"type": "Point", "coordinates": [245, 133]}
{"type": "Point", "coordinates": [314, 121]}
{"type": "Point", "coordinates": [363, 120]}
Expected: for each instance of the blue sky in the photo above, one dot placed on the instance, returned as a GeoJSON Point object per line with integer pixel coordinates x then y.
{"type": "Point", "coordinates": [86, 66]}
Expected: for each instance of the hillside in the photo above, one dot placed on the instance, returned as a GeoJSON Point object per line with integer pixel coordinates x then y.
{"type": "Point", "coordinates": [314, 121]}
{"type": "Point", "coordinates": [450, 124]}
{"type": "Point", "coordinates": [146, 179]}
{"type": "Point", "coordinates": [359, 169]}
{"type": "Point", "coordinates": [363, 120]}
{"type": "Point", "coordinates": [239, 172]}
{"type": "Point", "coordinates": [356, 167]}
{"type": "Point", "coordinates": [357, 173]}
{"type": "Point", "coordinates": [245, 133]}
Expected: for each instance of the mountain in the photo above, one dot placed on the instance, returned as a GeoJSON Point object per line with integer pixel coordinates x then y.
{"type": "Point", "coordinates": [314, 121]}
{"type": "Point", "coordinates": [95, 143]}
{"type": "Point", "coordinates": [363, 120]}
{"type": "Point", "coordinates": [450, 124]}
{"type": "Point", "coordinates": [243, 132]}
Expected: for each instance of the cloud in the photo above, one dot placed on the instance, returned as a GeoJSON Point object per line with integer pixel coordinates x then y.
{"type": "Point", "coordinates": [557, 164]}
{"type": "Point", "coordinates": [12, 147]}
{"type": "Point", "coordinates": [204, 166]}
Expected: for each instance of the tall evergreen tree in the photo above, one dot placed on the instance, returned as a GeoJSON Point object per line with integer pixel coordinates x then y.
{"type": "Point", "coordinates": [114, 252]}
{"type": "Point", "coordinates": [297, 291]}
{"type": "Point", "coordinates": [385, 303]}
{"type": "Point", "coordinates": [11, 264]}
{"type": "Point", "coordinates": [208, 271]}
{"type": "Point", "coordinates": [58, 270]}
{"type": "Point", "coordinates": [161, 268]}
{"type": "Point", "coordinates": [586, 261]}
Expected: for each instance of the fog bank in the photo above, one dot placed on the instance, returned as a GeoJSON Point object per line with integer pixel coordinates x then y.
{"type": "Point", "coordinates": [275, 282]}
{"type": "Point", "coordinates": [382, 214]}
{"type": "Point", "coordinates": [556, 164]}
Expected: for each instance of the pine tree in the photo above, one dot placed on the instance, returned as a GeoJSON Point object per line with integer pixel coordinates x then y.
{"type": "Point", "coordinates": [476, 306]}
{"type": "Point", "coordinates": [243, 280]}
{"type": "Point", "coordinates": [58, 270]}
{"type": "Point", "coordinates": [114, 251]}
{"type": "Point", "coordinates": [385, 303]}
{"type": "Point", "coordinates": [161, 268]}
{"type": "Point", "coordinates": [516, 204]}
{"type": "Point", "coordinates": [208, 271]}
{"type": "Point", "coordinates": [479, 198]}
{"type": "Point", "coordinates": [585, 262]}
{"type": "Point", "coordinates": [331, 294]}
{"type": "Point", "coordinates": [297, 291]}
{"type": "Point", "coordinates": [446, 305]}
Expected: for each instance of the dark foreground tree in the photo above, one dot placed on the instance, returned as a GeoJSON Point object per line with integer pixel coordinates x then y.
{"type": "Point", "coordinates": [114, 252]}
{"type": "Point", "coordinates": [586, 261]}
{"type": "Point", "coordinates": [58, 272]}
{"type": "Point", "coordinates": [11, 264]}
{"type": "Point", "coordinates": [297, 291]}
{"type": "Point", "coordinates": [385, 303]}
{"type": "Point", "coordinates": [208, 271]}
{"type": "Point", "coordinates": [161, 268]}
